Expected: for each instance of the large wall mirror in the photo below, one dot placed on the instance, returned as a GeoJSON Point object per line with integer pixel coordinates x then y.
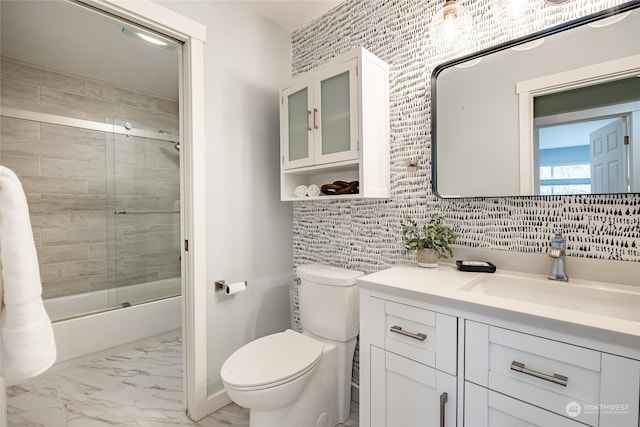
{"type": "Point", "coordinates": [554, 113]}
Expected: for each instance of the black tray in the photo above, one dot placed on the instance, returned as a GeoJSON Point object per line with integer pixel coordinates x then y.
{"type": "Point", "coordinates": [476, 266]}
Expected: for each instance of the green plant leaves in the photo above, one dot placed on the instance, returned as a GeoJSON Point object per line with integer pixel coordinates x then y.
{"type": "Point", "coordinates": [434, 235]}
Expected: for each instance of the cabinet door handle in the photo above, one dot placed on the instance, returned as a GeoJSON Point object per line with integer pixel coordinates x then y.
{"type": "Point", "coordinates": [309, 120]}
{"type": "Point", "coordinates": [554, 378]}
{"type": "Point", "coordinates": [315, 117]}
{"type": "Point", "coordinates": [444, 397]}
{"type": "Point", "coordinates": [398, 330]}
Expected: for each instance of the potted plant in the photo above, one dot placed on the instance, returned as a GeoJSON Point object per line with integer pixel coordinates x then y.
{"type": "Point", "coordinates": [431, 241]}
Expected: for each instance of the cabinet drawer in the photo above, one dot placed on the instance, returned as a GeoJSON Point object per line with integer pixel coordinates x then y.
{"type": "Point", "coordinates": [545, 373]}
{"type": "Point", "coordinates": [597, 388]}
{"type": "Point", "coordinates": [421, 335]}
{"type": "Point", "coordinates": [486, 408]}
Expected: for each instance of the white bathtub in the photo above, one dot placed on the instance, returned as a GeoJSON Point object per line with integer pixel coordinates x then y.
{"type": "Point", "coordinates": [100, 330]}
{"type": "Point", "coordinates": [75, 305]}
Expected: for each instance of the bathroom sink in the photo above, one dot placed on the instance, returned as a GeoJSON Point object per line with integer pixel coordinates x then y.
{"type": "Point", "coordinates": [617, 301]}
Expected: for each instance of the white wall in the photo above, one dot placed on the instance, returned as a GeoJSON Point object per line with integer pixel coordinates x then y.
{"type": "Point", "coordinates": [249, 231]}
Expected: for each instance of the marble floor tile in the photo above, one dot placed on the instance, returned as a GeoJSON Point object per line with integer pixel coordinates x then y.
{"type": "Point", "coordinates": [140, 387]}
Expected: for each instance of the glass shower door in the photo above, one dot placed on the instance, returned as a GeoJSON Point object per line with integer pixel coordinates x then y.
{"type": "Point", "coordinates": [144, 193]}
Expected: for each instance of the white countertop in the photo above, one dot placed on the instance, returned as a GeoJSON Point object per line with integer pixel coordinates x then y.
{"type": "Point", "coordinates": [423, 284]}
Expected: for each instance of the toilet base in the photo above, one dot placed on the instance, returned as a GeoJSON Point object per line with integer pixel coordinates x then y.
{"type": "Point", "coordinates": [317, 404]}
{"type": "Point", "coordinates": [344, 352]}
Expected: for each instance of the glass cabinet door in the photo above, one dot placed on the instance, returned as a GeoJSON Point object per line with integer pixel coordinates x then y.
{"type": "Point", "coordinates": [319, 118]}
{"type": "Point", "coordinates": [336, 137]}
{"type": "Point", "coordinates": [297, 126]}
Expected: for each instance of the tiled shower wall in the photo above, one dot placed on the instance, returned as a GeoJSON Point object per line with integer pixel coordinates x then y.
{"type": "Point", "coordinates": [76, 178]}
{"type": "Point", "coordinates": [365, 235]}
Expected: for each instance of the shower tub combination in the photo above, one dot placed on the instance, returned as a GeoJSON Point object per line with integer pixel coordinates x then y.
{"type": "Point", "coordinates": [86, 326]}
{"type": "Point", "coordinates": [141, 241]}
{"type": "Point", "coordinates": [99, 161]}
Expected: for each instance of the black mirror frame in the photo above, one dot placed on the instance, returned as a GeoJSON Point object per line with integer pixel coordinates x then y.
{"type": "Point", "coordinates": [481, 53]}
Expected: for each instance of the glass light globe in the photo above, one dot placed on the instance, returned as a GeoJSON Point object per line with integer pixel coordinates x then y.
{"type": "Point", "coordinates": [515, 16]}
{"type": "Point", "coordinates": [451, 30]}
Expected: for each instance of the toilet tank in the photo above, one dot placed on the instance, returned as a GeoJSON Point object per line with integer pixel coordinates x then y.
{"type": "Point", "coordinates": [329, 301]}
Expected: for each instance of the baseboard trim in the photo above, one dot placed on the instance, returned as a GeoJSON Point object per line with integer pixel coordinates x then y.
{"type": "Point", "coordinates": [217, 401]}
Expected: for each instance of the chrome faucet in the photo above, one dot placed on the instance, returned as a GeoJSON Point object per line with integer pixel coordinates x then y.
{"type": "Point", "coordinates": [557, 252]}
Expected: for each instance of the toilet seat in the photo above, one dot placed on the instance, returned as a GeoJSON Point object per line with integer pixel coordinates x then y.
{"type": "Point", "coordinates": [272, 360]}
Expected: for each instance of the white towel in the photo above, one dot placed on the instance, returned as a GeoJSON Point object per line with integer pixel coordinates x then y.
{"type": "Point", "coordinates": [301, 191]}
{"type": "Point", "coordinates": [27, 342]}
{"type": "Point", "coordinates": [313, 190]}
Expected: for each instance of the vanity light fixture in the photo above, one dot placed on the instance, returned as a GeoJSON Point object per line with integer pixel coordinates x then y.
{"type": "Point", "coordinates": [452, 21]}
{"type": "Point", "coordinates": [451, 27]}
{"type": "Point", "coordinates": [513, 10]}
{"type": "Point", "coordinates": [515, 16]}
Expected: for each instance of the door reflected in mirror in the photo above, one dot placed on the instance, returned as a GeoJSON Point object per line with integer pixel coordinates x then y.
{"type": "Point", "coordinates": [575, 158]}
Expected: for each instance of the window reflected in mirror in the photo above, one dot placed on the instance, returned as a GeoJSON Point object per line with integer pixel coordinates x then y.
{"type": "Point", "coordinates": [565, 158]}
{"type": "Point", "coordinates": [582, 138]}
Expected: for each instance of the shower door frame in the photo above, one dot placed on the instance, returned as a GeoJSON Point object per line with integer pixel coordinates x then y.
{"type": "Point", "coordinates": [192, 190]}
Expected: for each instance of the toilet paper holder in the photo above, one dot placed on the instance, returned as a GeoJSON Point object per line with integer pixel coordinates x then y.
{"type": "Point", "coordinates": [221, 285]}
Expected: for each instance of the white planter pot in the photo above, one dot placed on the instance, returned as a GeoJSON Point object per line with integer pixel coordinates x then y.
{"type": "Point", "coordinates": [427, 258]}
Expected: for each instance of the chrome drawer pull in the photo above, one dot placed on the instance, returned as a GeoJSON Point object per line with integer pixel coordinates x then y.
{"type": "Point", "coordinates": [444, 397]}
{"type": "Point", "coordinates": [398, 330]}
{"type": "Point", "coordinates": [554, 378]}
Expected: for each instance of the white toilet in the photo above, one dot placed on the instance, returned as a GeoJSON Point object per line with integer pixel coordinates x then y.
{"type": "Point", "coordinates": [292, 379]}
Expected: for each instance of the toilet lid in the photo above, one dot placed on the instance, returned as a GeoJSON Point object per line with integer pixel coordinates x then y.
{"type": "Point", "coordinates": [271, 359]}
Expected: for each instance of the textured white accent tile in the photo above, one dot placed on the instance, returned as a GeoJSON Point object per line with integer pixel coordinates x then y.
{"type": "Point", "coordinates": [365, 235]}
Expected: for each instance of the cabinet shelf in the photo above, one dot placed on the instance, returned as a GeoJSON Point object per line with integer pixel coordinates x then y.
{"type": "Point", "coordinates": [349, 165]}
{"type": "Point", "coordinates": [323, 197]}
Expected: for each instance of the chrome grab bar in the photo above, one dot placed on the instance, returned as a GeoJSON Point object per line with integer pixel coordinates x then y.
{"type": "Point", "coordinates": [554, 378]}
{"type": "Point", "coordinates": [145, 212]}
{"type": "Point", "coordinates": [398, 330]}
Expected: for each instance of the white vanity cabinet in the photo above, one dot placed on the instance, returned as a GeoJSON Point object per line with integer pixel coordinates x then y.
{"type": "Point", "coordinates": [584, 385]}
{"type": "Point", "coordinates": [497, 367]}
{"type": "Point", "coordinates": [334, 126]}
{"type": "Point", "coordinates": [410, 358]}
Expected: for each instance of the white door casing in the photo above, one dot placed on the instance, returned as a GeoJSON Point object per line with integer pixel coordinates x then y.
{"type": "Point", "coordinates": [192, 185]}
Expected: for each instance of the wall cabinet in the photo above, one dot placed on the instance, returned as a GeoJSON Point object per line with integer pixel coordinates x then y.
{"type": "Point", "coordinates": [334, 126]}
{"type": "Point", "coordinates": [320, 117]}
{"type": "Point", "coordinates": [494, 372]}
